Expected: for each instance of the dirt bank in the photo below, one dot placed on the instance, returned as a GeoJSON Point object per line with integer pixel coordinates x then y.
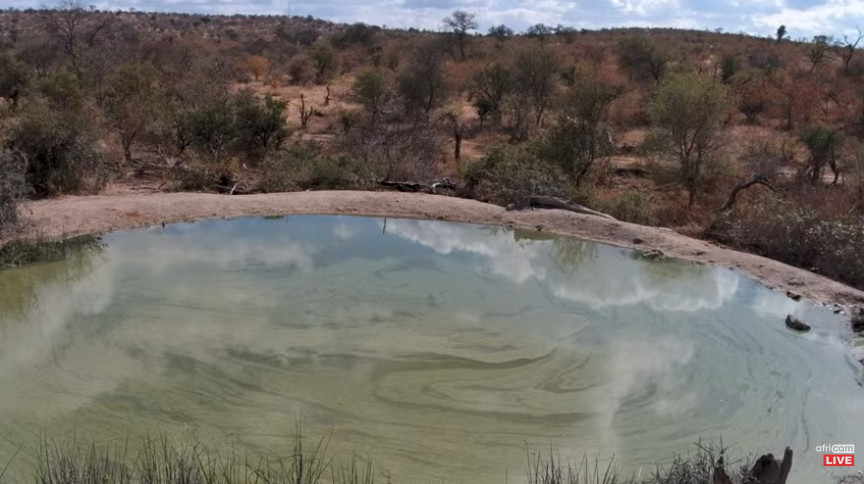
{"type": "Point", "coordinates": [90, 214]}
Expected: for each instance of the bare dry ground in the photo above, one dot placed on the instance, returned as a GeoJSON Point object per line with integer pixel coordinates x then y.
{"type": "Point", "coordinates": [68, 216]}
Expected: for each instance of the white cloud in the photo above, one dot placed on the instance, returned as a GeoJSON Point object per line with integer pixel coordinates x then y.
{"type": "Point", "coordinates": [832, 16]}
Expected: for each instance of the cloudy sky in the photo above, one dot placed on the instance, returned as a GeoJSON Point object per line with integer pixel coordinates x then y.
{"type": "Point", "coordinates": [804, 18]}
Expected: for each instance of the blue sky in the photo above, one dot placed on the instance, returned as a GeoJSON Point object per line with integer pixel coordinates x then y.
{"type": "Point", "coordinates": [803, 18]}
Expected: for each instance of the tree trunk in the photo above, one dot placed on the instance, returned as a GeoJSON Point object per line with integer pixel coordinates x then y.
{"type": "Point", "coordinates": [753, 180]}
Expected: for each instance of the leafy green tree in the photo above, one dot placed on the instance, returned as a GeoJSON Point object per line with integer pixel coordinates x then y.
{"type": "Point", "coordinates": [13, 79]}
{"type": "Point", "coordinates": [492, 85]}
{"type": "Point", "coordinates": [781, 33]}
{"type": "Point", "coordinates": [580, 135]}
{"type": "Point", "coordinates": [61, 150]}
{"type": "Point", "coordinates": [687, 111]}
{"type": "Point", "coordinates": [460, 24]}
{"type": "Point", "coordinates": [325, 60]}
{"type": "Point", "coordinates": [535, 76]}
{"type": "Point", "coordinates": [132, 102]}
{"type": "Point", "coordinates": [63, 91]}
{"type": "Point", "coordinates": [642, 59]}
{"type": "Point", "coordinates": [500, 32]}
{"type": "Point", "coordinates": [211, 128]}
{"type": "Point", "coordinates": [371, 91]}
{"type": "Point", "coordinates": [423, 84]}
{"type": "Point", "coordinates": [261, 126]}
{"type": "Point", "coordinates": [13, 187]}
{"type": "Point", "coordinates": [823, 144]}
{"type": "Point", "coordinates": [540, 31]}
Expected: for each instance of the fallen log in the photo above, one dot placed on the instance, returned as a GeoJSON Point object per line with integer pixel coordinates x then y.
{"type": "Point", "coordinates": [414, 187]}
{"type": "Point", "coordinates": [560, 204]}
{"type": "Point", "coordinates": [753, 180]}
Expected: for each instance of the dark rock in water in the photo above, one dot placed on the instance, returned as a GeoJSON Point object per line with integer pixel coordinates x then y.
{"type": "Point", "coordinates": [794, 323]}
{"type": "Point", "coordinates": [652, 255]}
{"type": "Point", "coordinates": [793, 296]}
{"type": "Point", "coordinates": [858, 321]}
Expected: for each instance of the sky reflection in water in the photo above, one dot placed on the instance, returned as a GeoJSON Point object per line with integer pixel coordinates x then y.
{"type": "Point", "coordinates": [439, 349]}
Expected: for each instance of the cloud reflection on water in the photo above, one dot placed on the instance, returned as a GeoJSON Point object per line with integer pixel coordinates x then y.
{"type": "Point", "coordinates": [598, 281]}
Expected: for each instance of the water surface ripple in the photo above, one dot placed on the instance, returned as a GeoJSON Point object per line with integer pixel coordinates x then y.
{"type": "Point", "coordinates": [438, 349]}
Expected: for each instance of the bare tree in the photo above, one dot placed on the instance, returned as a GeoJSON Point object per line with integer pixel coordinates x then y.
{"type": "Point", "coordinates": [848, 48]}
{"type": "Point", "coordinates": [818, 49]}
{"type": "Point", "coordinates": [535, 79]}
{"type": "Point", "coordinates": [76, 29]}
{"type": "Point", "coordinates": [460, 24]}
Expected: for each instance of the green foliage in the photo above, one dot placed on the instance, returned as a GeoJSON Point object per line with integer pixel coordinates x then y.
{"type": "Point", "coordinates": [492, 85]}
{"type": "Point", "coordinates": [63, 90]}
{"type": "Point", "coordinates": [62, 153]}
{"type": "Point", "coordinates": [500, 32]}
{"type": "Point", "coordinates": [795, 232]}
{"type": "Point", "coordinates": [823, 144]}
{"type": "Point", "coordinates": [423, 84]}
{"type": "Point", "coordinates": [325, 60]}
{"type": "Point", "coordinates": [301, 70]}
{"type": "Point", "coordinates": [243, 125]}
{"type": "Point", "coordinates": [535, 81]}
{"type": "Point", "coordinates": [687, 113]}
{"type": "Point", "coordinates": [642, 59]}
{"type": "Point", "coordinates": [634, 205]}
{"type": "Point", "coordinates": [305, 165]}
{"type": "Point", "coordinates": [510, 175]}
{"type": "Point", "coordinates": [357, 34]}
{"type": "Point", "coordinates": [211, 128]}
{"type": "Point", "coordinates": [729, 66]}
{"type": "Point", "coordinates": [460, 24]}
{"type": "Point", "coordinates": [14, 79]}
{"type": "Point", "coordinates": [260, 124]}
{"type": "Point", "coordinates": [579, 135]}
{"type": "Point", "coordinates": [371, 91]}
{"type": "Point", "coordinates": [132, 102]}
{"type": "Point", "coordinates": [13, 187]}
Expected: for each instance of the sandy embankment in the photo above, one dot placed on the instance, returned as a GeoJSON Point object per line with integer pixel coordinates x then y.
{"type": "Point", "coordinates": [69, 216]}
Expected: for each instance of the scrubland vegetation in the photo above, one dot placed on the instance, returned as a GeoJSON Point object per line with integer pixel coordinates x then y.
{"type": "Point", "coordinates": [753, 142]}
{"type": "Point", "coordinates": [163, 461]}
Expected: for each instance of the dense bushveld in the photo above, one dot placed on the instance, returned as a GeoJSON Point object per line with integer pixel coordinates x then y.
{"type": "Point", "coordinates": [754, 142]}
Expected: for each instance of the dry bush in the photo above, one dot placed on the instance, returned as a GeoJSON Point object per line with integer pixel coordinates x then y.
{"type": "Point", "coordinates": [395, 153]}
{"type": "Point", "coordinates": [63, 155]}
{"type": "Point", "coordinates": [201, 173]}
{"type": "Point", "coordinates": [510, 175]}
{"type": "Point", "coordinates": [808, 229]}
{"type": "Point", "coordinates": [13, 187]}
{"type": "Point", "coordinates": [306, 165]}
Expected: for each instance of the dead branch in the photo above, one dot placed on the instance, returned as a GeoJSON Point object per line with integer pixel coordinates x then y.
{"type": "Point", "coordinates": [561, 204]}
{"type": "Point", "coordinates": [753, 180]}
{"type": "Point", "coordinates": [415, 187]}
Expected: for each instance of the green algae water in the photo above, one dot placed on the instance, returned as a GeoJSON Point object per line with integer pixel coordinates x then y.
{"type": "Point", "coordinates": [440, 350]}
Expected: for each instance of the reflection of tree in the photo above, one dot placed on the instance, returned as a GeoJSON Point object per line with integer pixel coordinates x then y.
{"type": "Point", "coordinates": [569, 254]}
{"type": "Point", "coordinates": [666, 270]}
{"type": "Point", "coordinates": [63, 263]}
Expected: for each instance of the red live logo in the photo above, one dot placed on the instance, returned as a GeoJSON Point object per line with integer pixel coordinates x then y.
{"type": "Point", "coordinates": [835, 460]}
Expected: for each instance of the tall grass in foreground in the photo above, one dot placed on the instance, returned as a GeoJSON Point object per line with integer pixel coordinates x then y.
{"type": "Point", "coordinates": [159, 461]}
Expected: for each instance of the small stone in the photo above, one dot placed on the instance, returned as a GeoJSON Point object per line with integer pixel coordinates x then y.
{"type": "Point", "coordinates": [539, 228]}
{"type": "Point", "coordinates": [793, 296]}
{"type": "Point", "coordinates": [796, 324]}
{"type": "Point", "coordinates": [638, 241]}
{"type": "Point", "coordinates": [858, 321]}
{"type": "Point", "coordinates": [652, 255]}
{"type": "Point", "coordinates": [700, 253]}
